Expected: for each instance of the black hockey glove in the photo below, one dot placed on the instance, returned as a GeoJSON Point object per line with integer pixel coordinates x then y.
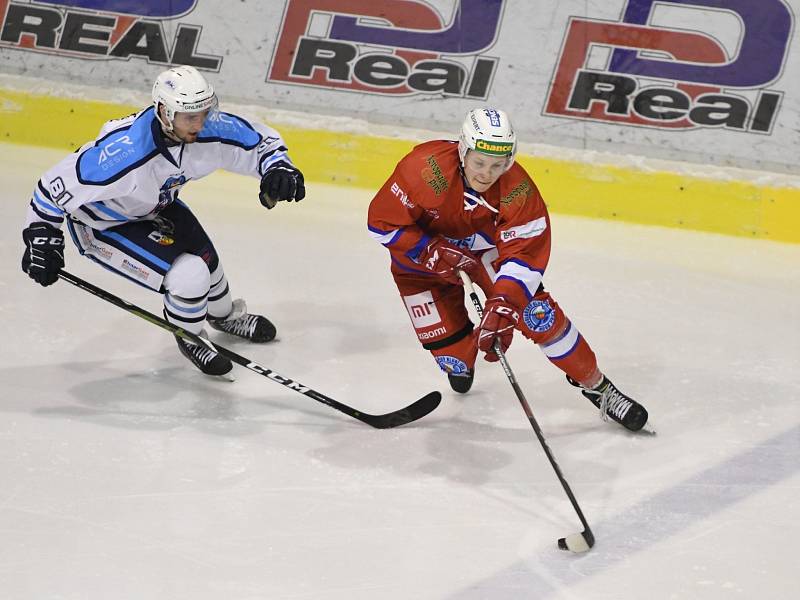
{"type": "Point", "coordinates": [281, 182]}
{"type": "Point", "coordinates": [44, 252]}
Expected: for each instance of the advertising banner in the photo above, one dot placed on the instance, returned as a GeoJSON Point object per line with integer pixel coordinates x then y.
{"type": "Point", "coordinates": [707, 81]}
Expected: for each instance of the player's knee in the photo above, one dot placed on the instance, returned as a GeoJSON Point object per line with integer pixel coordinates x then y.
{"type": "Point", "coordinates": [543, 320]}
{"type": "Point", "coordinates": [188, 277]}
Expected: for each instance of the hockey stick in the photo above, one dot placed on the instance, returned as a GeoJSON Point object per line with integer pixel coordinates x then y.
{"type": "Point", "coordinates": [410, 413]}
{"type": "Point", "coordinates": [576, 542]}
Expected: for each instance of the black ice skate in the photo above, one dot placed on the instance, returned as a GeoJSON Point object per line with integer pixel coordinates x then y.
{"type": "Point", "coordinates": [240, 323]}
{"type": "Point", "coordinates": [613, 403]}
{"type": "Point", "coordinates": [208, 361]}
{"type": "Point", "coordinates": [461, 382]}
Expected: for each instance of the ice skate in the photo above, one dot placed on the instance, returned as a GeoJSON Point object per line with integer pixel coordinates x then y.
{"type": "Point", "coordinates": [240, 323]}
{"type": "Point", "coordinates": [614, 404]}
{"type": "Point", "coordinates": [461, 382]}
{"type": "Point", "coordinates": [208, 361]}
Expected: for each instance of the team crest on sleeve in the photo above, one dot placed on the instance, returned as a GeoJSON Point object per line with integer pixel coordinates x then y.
{"type": "Point", "coordinates": [452, 365]}
{"type": "Point", "coordinates": [539, 316]}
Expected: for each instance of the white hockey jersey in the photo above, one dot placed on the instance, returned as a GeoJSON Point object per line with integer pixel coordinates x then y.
{"type": "Point", "coordinates": [129, 172]}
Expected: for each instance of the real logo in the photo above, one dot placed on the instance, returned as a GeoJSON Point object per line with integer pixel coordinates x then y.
{"type": "Point", "coordinates": [607, 70]}
{"type": "Point", "coordinates": [108, 29]}
{"type": "Point", "coordinates": [412, 50]}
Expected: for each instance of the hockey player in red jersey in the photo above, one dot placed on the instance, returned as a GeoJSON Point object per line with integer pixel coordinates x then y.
{"type": "Point", "coordinates": [467, 205]}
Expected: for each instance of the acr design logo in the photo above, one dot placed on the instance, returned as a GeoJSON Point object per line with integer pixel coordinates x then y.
{"type": "Point", "coordinates": [633, 72]}
{"type": "Point", "coordinates": [389, 47]}
{"type": "Point", "coordinates": [105, 29]}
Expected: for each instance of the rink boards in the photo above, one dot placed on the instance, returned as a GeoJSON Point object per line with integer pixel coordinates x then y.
{"type": "Point", "coordinates": [624, 193]}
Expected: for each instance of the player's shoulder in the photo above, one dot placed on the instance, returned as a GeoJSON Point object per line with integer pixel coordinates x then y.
{"type": "Point", "coordinates": [231, 129]}
{"type": "Point", "coordinates": [442, 151]}
{"type": "Point", "coordinates": [437, 159]}
{"type": "Point", "coordinates": [124, 145]}
{"type": "Point", "coordinates": [517, 188]}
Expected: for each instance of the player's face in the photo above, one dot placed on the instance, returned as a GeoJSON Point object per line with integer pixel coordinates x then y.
{"type": "Point", "coordinates": [482, 170]}
{"type": "Point", "coordinates": [186, 125]}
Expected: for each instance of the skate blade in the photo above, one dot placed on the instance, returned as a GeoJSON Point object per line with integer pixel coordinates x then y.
{"type": "Point", "coordinates": [227, 377]}
{"type": "Point", "coordinates": [646, 430]}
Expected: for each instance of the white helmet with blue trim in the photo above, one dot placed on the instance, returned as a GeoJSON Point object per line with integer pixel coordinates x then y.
{"type": "Point", "coordinates": [488, 131]}
{"type": "Point", "coordinates": [182, 89]}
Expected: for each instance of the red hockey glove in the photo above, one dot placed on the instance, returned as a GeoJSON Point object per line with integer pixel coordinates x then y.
{"type": "Point", "coordinates": [499, 320]}
{"type": "Point", "coordinates": [445, 259]}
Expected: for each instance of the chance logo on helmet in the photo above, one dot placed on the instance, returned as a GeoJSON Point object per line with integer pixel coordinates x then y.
{"type": "Point", "coordinates": [488, 131]}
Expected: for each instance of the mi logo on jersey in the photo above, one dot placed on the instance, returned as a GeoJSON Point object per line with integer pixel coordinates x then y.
{"type": "Point", "coordinates": [664, 65]}
{"type": "Point", "coordinates": [422, 310]}
{"type": "Point", "coordinates": [113, 148]}
{"type": "Point", "coordinates": [389, 47]}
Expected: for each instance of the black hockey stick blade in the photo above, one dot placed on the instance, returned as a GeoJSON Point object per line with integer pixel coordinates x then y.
{"type": "Point", "coordinates": [412, 412]}
{"type": "Point", "coordinates": [577, 542]}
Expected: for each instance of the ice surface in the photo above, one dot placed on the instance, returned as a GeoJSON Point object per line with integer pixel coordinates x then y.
{"type": "Point", "coordinates": [126, 474]}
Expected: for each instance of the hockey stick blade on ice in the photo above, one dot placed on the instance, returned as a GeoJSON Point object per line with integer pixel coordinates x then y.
{"type": "Point", "coordinates": [577, 542]}
{"type": "Point", "coordinates": [403, 416]}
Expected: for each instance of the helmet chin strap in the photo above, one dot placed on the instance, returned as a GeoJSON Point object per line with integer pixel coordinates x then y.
{"type": "Point", "coordinates": [167, 129]}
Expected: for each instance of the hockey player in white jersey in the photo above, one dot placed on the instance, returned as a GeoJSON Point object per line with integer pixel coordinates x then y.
{"type": "Point", "coordinates": [118, 196]}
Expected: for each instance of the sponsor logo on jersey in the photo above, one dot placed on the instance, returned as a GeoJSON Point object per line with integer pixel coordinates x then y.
{"type": "Point", "coordinates": [422, 310]}
{"type": "Point", "coordinates": [539, 316]}
{"type": "Point", "coordinates": [433, 176]}
{"type": "Point", "coordinates": [521, 192]}
{"type": "Point", "coordinates": [106, 29]}
{"type": "Point", "coordinates": [388, 47]}
{"type": "Point", "coordinates": [452, 365]}
{"type": "Point", "coordinates": [114, 151]}
{"type": "Point", "coordinates": [663, 65]}
{"type": "Point", "coordinates": [135, 269]}
{"type": "Point", "coordinates": [427, 335]}
{"type": "Point", "coordinates": [398, 191]}
{"type": "Point", "coordinates": [495, 148]}
{"type": "Point", "coordinates": [99, 251]}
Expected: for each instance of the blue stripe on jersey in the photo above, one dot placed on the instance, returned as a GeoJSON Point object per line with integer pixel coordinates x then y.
{"type": "Point", "coordinates": [118, 152]}
{"type": "Point", "coordinates": [229, 129]}
{"type": "Point", "coordinates": [268, 161]}
{"type": "Point", "coordinates": [522, 286]}
{"type": "Point", "coordinates": [111, 213]}
{"type": "Point", "coordinates": [45, 216]}
{"type": "Point", "coordinates": [414, 253]}
{"type": "Point", "coordinates": [43, 190]}
{"type": "Point", "coordinates": [46, 205]}
{"type": "Point", "coordinates": [151, 258]}
{"type": "Point", "coordinates": [83, 210]}
{"type": "Point", "coordinates": [403, 267]}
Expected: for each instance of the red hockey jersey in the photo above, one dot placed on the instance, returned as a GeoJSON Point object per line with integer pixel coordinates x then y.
{"type": "Point", "coordinates": [427, 195]}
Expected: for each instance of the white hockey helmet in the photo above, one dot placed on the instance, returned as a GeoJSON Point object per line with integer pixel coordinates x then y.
{"type": "Point", "coordinates": [182, 89]}
{"type": "Point", "coordinates": [488, 131]}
